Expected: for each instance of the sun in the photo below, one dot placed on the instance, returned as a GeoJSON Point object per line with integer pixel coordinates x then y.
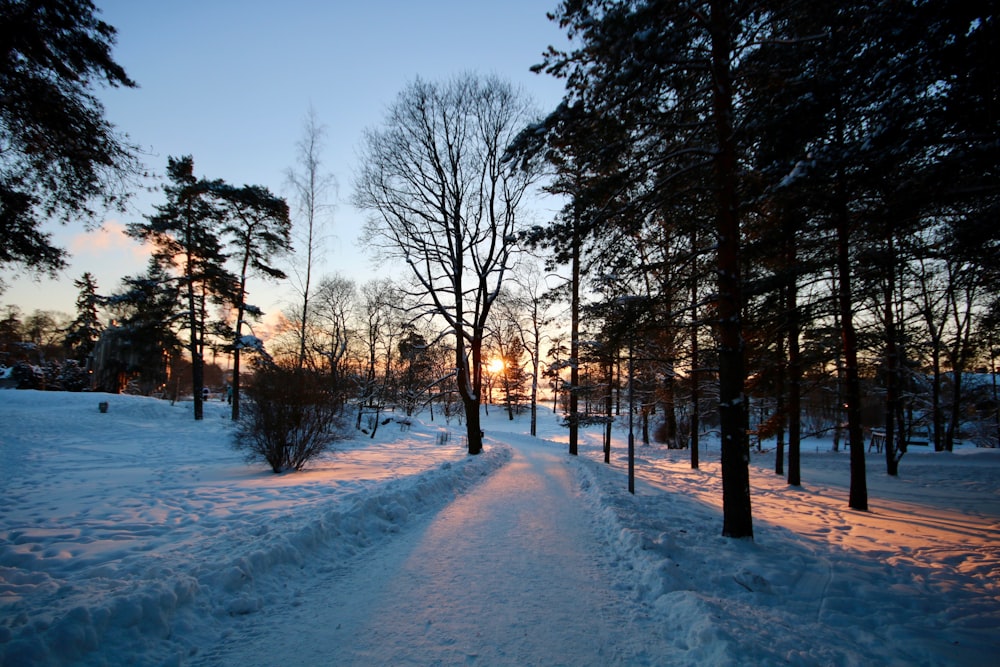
{"type": "Point", "coordinates": [495, 366]}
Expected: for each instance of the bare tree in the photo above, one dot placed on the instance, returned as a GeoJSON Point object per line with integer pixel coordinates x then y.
{"type": "Point", "coordinates": [382, 328]}
{"type": "Point", "coordinates": [311, 186]}
{"type": "Point", "coordinates": [333, 303]}
{"type": "Point", "coordinates": [441, 197]}
{"type": "Point", "coordinates": [527, 311]}
{"type": "Point", "coordinates": [506, 341]}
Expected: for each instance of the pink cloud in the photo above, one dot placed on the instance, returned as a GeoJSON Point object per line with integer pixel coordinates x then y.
{"type": "Point", "coordinates": [108, 238]}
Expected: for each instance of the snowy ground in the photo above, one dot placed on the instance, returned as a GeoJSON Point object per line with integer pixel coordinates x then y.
{"type": "Point", "coordinates": [139, 537]}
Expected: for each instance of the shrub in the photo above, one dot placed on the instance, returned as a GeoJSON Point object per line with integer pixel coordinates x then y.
{"type": "Point", "coordinates": [288, 418]}
{"type": "Point", "coordinates": [28, 376]}
{"type": "Point", "coordinates": [73, 377]}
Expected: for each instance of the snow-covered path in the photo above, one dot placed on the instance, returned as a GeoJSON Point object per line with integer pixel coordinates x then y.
{"type": "Point", "coordinates": [509, 573]}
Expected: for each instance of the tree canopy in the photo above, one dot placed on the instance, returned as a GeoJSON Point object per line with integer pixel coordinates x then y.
{"type": "Point", "coordinates": [59, 157]}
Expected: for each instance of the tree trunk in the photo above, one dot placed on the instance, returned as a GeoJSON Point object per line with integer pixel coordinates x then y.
{"type": "Point", "coordinates": [858, 495]}
{"type": "Point", "coordinates": [534, 373]}
{"type": "Point", "coordinates": [609, 378]}
{"type": "Point", "coordinates": [737, 519]}
{"type": "Point", "coordinates": [956, 409]}
{"type": "Point", "coordinates": [669, 411]}
{"type": "Point", "coordinates": [469, 387]}
{"type": "Point", "coordinates": [197, 367]}
{"type": "Point", "coordinates": [241, 297]}
{"type": "Point", "coordinates": [235, 386]}
{"type": "Point", "coordinates": [794, 368]}
{"type": "Point", "coordinates": [779, 399]}
{"type": "Point", "coordinates": [574, 345]}
{"type": "Point", "coordinates": [695, 393]}
{"type": "Point", "coordinates": [474, 430]}
{"type": "Point", "coordinates": [892, 366]}
{"type": "Point", "coordinates": [794, 400]}
{"type": "Point", "coordinates": [937, 412]}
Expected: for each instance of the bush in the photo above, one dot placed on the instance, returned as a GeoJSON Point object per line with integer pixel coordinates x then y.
{"type": "Point", "coordinates": [28, 376]}
{"type": "Point", "coordinates": [288, 418]}
{"type": "Point", "coordinates": [73, 377]}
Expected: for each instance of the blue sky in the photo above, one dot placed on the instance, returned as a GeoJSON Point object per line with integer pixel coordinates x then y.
{"type": "Point", "coordinates": [230, 82]}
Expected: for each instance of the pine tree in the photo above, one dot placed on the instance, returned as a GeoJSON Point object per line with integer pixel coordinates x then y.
{"type": "Point", "coordinates": [59, 154]}
{"type": "Point", "coordinates": [184, 232]}
{"type": "Point", "coordinates": [84, 331]}
{"type": "Point", "coordinates": [141, 342]}
{"type": "Point", "coordinates": [257, 228]}
{"type": "Point", "coordinates": [665, 70]}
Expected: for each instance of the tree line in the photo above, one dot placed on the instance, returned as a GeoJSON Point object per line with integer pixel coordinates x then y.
{"type": "Point", "coordinates": [777, 219]}
{"type": "Point", "coordinates": [810, 189]}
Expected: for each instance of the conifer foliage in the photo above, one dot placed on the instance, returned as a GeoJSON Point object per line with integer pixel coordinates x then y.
{"type": "Point", "coordinates": [833, 162]}
{"type": "Point", "coordinates": [184, 233]}
{"type": "Point", "coordinates": [84, 331]}
{"type": "Point", "coordinates": [664, 72]}
{"type": "Point", "coordinates": [59, 155]}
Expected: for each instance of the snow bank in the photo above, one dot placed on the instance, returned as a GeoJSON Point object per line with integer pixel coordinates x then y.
{"type": "Point", "coordinates": [129, 537]}
{"type": "Point", "coordinates": [912, 582]}
{"type": "Point", "coordinates": [139, 537]}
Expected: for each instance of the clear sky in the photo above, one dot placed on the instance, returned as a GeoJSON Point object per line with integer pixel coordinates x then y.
{"type": "Point", "coordinates": [231, 81]}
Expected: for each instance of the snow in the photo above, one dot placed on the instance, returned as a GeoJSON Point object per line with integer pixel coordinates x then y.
{"type": "Point", "coordinates": [140, 537]}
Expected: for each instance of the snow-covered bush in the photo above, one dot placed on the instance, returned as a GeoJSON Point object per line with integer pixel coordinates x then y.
{"type": "Point", "coordinates": [984, 433]}
{"type": "Point", "coordinates": [289, 418]}
{"type": "Point", "coordinates": [28, 376]}
{"type": "Point", "coordinates": [73, 376]}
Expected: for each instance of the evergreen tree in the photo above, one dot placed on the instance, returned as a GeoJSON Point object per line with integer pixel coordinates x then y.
{"type": "Point", "coordinates": [59, 154]}
{"type": "Point", "coordinates": [184, 232]}
{"type": "Point", "coordinates": [84, 331]}
{"type": "Point", "coordinates": [665, 70]}
{"type": "Point", "coordinates": [415, 380]}
{"type": "Point", "coordinates": [141, 342]}
{"type": "Point", "coordinates": [257, 228]}
{"type": "Point", "coordinates": [10, 334]}
{"type": "Point", "coordinates": [579, 147]}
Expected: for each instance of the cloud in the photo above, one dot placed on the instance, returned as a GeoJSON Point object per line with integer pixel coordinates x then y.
{"type": "Point", "coordinates": [107, 239]}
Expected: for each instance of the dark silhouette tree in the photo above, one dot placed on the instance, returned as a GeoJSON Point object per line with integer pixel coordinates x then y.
{"type": "Point", "coordinates": [415, 379]}
{"type": "Point", "coordinates": [442, 198]}
{"type": "Point", "coordinates": [184, 232]}
{"type": "Point", "coordinates": [60, 156]}
{"type": "Point", "coordinates": [257, 230]}
{"type": "Point", "coordinates": [141, 342]}
{"type": "Point", "coordinates": [84, 331]}
{"type": "Point", "coordinates": [666, 71]}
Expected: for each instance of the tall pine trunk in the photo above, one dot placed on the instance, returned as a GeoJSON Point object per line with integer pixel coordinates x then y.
{"type": "Point", "coordinates": [194, 344]}
{"type": "Point", "coordinates": [240, 312]}
{"type": "Point", "coordinates": [858, 495]}
{"type": "Point", "coordinates": [893, 449]}
{"type": "Point", "coordinates": [794, 366]}
{"type": "Point", "coordinates": [574, 345]}
{"type": "Point", "coordinates": [737, 519]}
{"type": "Point", "coordinates": [695, 360]}
{"type": "Point", "coordinates": [535, 349]}
{"type": "Point", "coordinates": [779, 398]}
{"type": "Point", "coordinates": [609, 405]}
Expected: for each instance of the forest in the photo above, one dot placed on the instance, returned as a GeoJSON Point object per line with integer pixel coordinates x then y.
{"type": "Point", "coordinates": [777, 220]}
